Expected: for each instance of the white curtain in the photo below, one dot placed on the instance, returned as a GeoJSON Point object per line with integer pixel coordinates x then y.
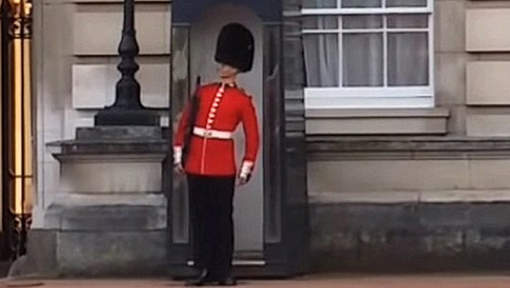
{"type": "Point", "coordinates": [408, 59]}
{"type": "Point", "coordinates": [362, 54]}
{"type": "Point", "coordinates": [408, 53]}
{"type": "Point", "coordinates": [362, 60]}
{"type": "Point", "coordinates": [321, 60]}
{"type": "Point", "coordinates": [319, 3]}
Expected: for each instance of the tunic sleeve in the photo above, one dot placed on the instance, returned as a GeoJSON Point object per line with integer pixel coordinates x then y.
{"type": "Point", "coordinates": [252, 138]}
{"type": "Point", "coordinates": [182, 128]}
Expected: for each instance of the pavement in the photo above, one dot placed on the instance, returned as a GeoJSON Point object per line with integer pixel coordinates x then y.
{"type": "Point", "coordinates": [314, 281]}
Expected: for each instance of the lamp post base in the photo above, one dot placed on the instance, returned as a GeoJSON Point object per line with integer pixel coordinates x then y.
{"type": "Point", "coordinates": [140, 117]}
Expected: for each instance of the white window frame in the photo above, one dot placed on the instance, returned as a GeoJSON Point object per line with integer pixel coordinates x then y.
{"type": "Point", "coordinates": [373, 97]}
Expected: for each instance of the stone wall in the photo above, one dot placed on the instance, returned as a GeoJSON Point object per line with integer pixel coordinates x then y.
{"type": "Point", "coordinates": [75, 57]}
{"type": "Point", "coordinates": [403, 199]}
{"type": "Point", "coordinates": [408, 204]}
{"type": "Point", "coordinates": [100, 207]}
{"type": "Point", "coordinates": [410, 236]}
{"type": "Point", "coordinates": [422, 207]}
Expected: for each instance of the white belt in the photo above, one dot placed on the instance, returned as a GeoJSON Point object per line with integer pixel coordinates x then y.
{"type": "Point", "coordinates": [212, 133]}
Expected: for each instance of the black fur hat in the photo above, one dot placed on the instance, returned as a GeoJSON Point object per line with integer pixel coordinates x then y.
{"type": "Point", "coordinates": [235, 47]}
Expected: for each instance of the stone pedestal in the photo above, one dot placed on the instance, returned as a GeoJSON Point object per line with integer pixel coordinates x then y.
{"type": "Point", "coordinates": [109, 216]}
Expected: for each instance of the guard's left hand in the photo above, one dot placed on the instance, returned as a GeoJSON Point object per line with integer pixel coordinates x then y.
{"type": "Point", "coordinates": [243, 180]}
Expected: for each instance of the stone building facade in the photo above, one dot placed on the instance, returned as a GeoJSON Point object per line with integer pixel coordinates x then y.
{"type": "Point", "coordinates": [415, 179]}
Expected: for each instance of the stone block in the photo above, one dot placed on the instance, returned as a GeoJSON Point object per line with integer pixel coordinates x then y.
{"type": "Point", "coordinates": [450, 78]}
{"type": "Point", "coordinates": [41, 257]}
{"type": "Point", "coordinates": [386, 237]}
{"type": "Point", "coordinates": [440, 216]}
{"type": "Point", "coordinates": [490, 174]}
{"type": "Point", "coordinates": [388, 250]}
{"type": "Point", "coordinates": [464, 196]}
{"type": "Point", "coordinates": [484, 31]}
{"type": "Point", "coordinates": [94, 85]}
{"type": "Point", "coordinates": [111, 174]}
{"type": "Point", "coordinates": [112, 253]}
{"type": "Point", "coordinates": [449, 26]}
{"type": "Point", "coordinates": [381, 175]}
{"type": "Point", "coordinates": [487, 251]}
{"type": "Point", "coordinates": [457, 120]}
{"type": "Point", "coordinates": [51, 174]}
{"type": "Point", "coordinates": [491, 217]}
{"type": "Point", "coordinates": [370, 217]}
{"type": "Point", "coordinates": [445, 244]}
{"type": "Point", "coordinates": [321, 121]}
{"type": "Point", "coordinates": [393, 197]}
{"type": "Point", "coordinates": [101, 35]}
{"type": "Point", "coordinates": [113, 218]}
{"type": "Point", "coordinates": [375, 126]}
{"type": "Point", "coordinates": [445, 236]}
{"type": "Point", "coordinates": [487, 125]}
{"type": "Point", "coordinates": [487, 83]}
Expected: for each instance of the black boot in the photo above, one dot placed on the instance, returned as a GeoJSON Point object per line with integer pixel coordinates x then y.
{"type": "Point", "coordinates": [228, 280]}
{"type": "Point", "coordinates": [203, 278]}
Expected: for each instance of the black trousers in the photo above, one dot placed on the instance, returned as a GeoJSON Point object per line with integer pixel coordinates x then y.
{"type": "Point", "coordinates": [212, 224]}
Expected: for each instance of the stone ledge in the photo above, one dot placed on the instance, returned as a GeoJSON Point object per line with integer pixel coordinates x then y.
{"type": "Point", "coordinates": [96, 199]}
{"type": "Point", "coordinates": [117, 147]}
{"type": "Point", "coordinates": [381, 197]}
{"type": "Point", "coordinates": [376, 121]}
{"type": "Point", "coordinates": [377, 113]}
{"type": "Point", "coordinates": [106, 218]}
{"type": "Point", "coordinates": [387, 147]}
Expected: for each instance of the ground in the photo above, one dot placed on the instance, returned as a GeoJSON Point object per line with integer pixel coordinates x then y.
{"type": "Point", "coordinates": [498, 280]}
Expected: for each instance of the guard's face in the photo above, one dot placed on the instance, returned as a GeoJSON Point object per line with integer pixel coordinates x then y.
{"type": "Point", "coordinates": [227, 71]}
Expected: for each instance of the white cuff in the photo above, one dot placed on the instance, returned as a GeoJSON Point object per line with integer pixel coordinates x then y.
{"type": "Point", "coordinates": [177, 155]}
{"type": "Point", "coordinates": [246, 168]}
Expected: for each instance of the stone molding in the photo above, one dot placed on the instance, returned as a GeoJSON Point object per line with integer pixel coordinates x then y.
{"type": "Point", "coordinates": [376, 121]}
{"type": "Point", "coordinates": [415, 148]}
{"type": "Point", "coordinates": [387, 197]}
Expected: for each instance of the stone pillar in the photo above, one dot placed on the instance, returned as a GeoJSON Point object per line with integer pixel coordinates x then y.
{"type": "Point", "coordinates": [109, 216]}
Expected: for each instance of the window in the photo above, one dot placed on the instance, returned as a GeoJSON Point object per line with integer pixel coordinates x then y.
{"type": "Point", "coordinates": [368, 53]}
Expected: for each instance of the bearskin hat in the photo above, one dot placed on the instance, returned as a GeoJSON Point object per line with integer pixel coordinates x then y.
{"type": "Point", "coordinates": [235, 47]}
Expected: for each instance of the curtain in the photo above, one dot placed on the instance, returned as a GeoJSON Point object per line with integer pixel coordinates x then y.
{"type": "Point", "coordinates": [319, 3]}
{"type": "Point", "coordinates": [362, 60]}
{"type": "Point", "coordinates": [362, 54]}
{"type": "Point", "coordinates": [321, 60]}
{"type": "Point", "coordinates": [408, 53]}
{"type": "Point", "coordinates": [408, 59]}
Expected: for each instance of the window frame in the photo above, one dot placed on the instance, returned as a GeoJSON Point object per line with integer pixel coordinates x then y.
{"type": "Point", "coordinates": [373, 97]}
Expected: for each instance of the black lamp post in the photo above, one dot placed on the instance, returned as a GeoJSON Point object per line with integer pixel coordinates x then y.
{"type": "Point", "coordinates": [127, 108]}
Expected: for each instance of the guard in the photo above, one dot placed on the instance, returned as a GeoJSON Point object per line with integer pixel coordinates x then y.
{"type": "Point", "coordinates": [204, 150]}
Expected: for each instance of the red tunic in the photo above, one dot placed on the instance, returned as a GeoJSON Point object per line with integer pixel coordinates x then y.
{"type": "Point", "coordinates": [220, 110]}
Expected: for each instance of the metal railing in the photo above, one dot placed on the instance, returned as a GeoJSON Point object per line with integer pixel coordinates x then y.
{"type": "Point", "coordinates": [17, 140]}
